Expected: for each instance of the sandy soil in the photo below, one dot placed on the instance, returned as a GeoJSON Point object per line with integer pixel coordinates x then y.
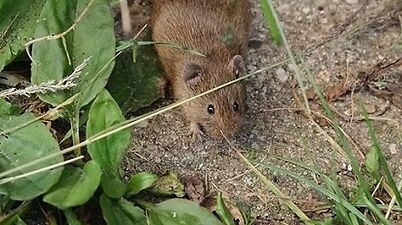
{"type": "Point", "coordinates": [339, 38]}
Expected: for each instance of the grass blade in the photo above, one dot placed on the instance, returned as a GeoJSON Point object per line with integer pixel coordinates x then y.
{"type": "Point", "coordinates": [345, 145]}
{"type": "Point", "coordinates": [320, 189]}
{"type": "Point", "coordinates": [382, 160]}
{"type": "Point", "coordinates": [271, 21]}
{"type": "Point", "coordinates": [283, 198]}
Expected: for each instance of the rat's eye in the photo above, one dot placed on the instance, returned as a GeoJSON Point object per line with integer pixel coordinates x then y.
{"type": "Point", "coordinates": [235, 106]}
{"type": "Point", "coordinates": [211, 110]}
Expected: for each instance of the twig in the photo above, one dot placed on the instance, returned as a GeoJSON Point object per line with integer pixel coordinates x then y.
{"type": "Point", "coordinates": [139, 32]}
{"type": "Point", "coordinates": [125, 17]}
{"type": "Point", "coordinates": [352, 103]}
{"type": "Point", "coordinates": [140, 156]}
{"type": "Point", "coordinates": [393, 200]}
{"type": "Point", "coordinates": [377, 187]}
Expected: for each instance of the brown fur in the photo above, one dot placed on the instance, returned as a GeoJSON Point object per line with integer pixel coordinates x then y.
{"type": "Point", "coordinates": [203, 25]}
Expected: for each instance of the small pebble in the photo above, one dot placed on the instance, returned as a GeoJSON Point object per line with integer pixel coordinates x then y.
{"type": "Point", "coordinates": [281, 74]}
{"type": "Point", "coordinates": [352, 2]}
{"type": "Point", "coordinates": [306, 10]}
{"type": "Point", "coordinates": [392, 149]}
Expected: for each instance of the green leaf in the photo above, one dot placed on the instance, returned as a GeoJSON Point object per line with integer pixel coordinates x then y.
{"type": "Point", "coordinates": [50, 59]}
{"type": "Point", "coordinates": [109, 151]}
{"type": "Point", "coordinates": [4, 201]}
{"type": "Point", "coordinates": [180, 212]}
{"type": "Point", "coordinates": [168, 185]}
{"type": "Point", "coordinates": [17, 26]}
{"type": "Point", "coordinates": [325, 222]}
{"type": "Point", "coordinates": [121, 211]}
{"type": "Point", "coordinates": [76, 186]}
{"type": "Point", "coordinates": [112, 185]}
{"type": "Point", "coordinates": [140, 181]}
{"type": "Point", "coordinates": [7, 109]}
{"type": "Point", "coordinates": [13, 220]}
{"type": "Point", "coordinates": [268, 10]}
{"type": "Point", "coordinates": [26, 145]}
{"type": "Point", "coordinates": [372, 163]}
{"type": "Point", "coordinates": [222, 211]}
{"type": "Point", "coordinates": [71, 217]}
{"type": "Point", "coordinates": [93, 38]}
{"type": "Point", "coordinates": [136, 84]}
{"type": "Point", "coordinates": [20, 222]}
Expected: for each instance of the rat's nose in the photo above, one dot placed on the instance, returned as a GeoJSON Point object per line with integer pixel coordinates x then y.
{"type": "Point", "coordinates": [228, 132]}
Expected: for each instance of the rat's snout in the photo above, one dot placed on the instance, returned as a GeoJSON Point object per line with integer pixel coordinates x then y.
{"type": "Point", "coordinates": [226, 129]}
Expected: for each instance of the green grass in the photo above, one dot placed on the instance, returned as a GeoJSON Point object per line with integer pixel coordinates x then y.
{"type": "Point", "coordinates": [347, 211]}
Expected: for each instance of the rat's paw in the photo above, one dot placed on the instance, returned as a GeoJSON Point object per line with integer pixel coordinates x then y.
{"type": "Point", "coordinates": [195, 132]}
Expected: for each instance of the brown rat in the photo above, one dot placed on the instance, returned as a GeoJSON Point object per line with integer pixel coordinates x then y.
{"type": "Point", "coordinates": [218, 29]}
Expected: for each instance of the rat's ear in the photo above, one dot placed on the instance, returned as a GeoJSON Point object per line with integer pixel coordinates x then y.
{"type": "Point", "coordinates": [237, 65]}
{"type": "Point", "coordinates": [192, 74]}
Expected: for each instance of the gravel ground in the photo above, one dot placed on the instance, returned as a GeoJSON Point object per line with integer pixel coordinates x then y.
{"type": "Point", "coordinates": [339, 38]}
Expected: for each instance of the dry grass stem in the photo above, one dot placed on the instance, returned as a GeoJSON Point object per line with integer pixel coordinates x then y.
{"type": "Point", "coordinates": [49, 86]}
{"type": "Point", "coordinates": [10, 179]}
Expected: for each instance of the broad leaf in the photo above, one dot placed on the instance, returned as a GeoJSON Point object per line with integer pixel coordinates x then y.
{"type": "Point", "coordinates": [20, 222]}
{"type": "Point", "coordinates": [223, 211]}
{"type": "Point", "coordinates": [50, 59]}
{"type": "Point", "coordinates": [4, 201]}
{"type": "Point", "coordinates": [112, 185]}
{"type": "Point", "coordinates": [136, 84]}
{"type": "Point", "coordinates": [26, 145]}
{"type": "Point", "coordinates": [13, 220]}
{"type": "Point", "coordinates": [17, 26]}
{"type": "Point", "coordinates": [71, 217]}
{"type": "Point", "coordinates": [180, 212]}
{"type": "Point", "coordinates": [109, 151]}
{"type": "Point", "coordinates": [7, 109]}
{"type": "Point", "coordinates": [121, 211]}
{"type": "Point", "coordinates": [93, 38]}
{"type": "Point", "coordinates": [76, 186]}
{"type": "Point", "coordinates": [140, 181]}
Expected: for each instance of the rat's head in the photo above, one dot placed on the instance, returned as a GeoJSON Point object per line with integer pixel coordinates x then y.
{"type": "Point", "coordinates": [220, 111]}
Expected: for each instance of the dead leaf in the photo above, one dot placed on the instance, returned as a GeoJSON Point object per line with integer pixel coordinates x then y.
{"type": "Point", "coordinates": [195, 188]}
{"type": "Point", "coordinates": [340, 88]}
{"type": "Point", "coordinates": [210, 203]}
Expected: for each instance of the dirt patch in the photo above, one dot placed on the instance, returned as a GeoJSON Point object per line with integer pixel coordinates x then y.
{"type": "Point", "coordinates": [339, 39]}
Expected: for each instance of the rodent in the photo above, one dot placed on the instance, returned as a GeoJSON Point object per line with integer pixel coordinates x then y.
{"type": "Point", "coordinates": [220, 30]}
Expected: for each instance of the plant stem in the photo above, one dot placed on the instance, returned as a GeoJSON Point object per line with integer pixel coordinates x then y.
{"type": "Point", "coordinates": [75, 128]}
